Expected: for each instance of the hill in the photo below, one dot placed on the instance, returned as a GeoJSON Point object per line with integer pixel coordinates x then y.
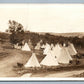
{"type": "Point", "coordinates": [4, 35]}
{"type": "Point", "coordinates": [73, 34]}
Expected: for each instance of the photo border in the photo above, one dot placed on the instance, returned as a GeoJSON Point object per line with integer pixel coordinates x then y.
{"type": "Point", "coordinates": [42, 1]}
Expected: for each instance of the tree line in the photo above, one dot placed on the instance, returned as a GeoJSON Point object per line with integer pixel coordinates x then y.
{"type": "Point", "coordinates": [18, 35]}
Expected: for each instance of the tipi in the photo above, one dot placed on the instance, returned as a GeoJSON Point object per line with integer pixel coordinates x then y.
{"type": "Point", "coordinates": [33, 61]}
{"type": "Point", "coordinates": [43, 46]}
{"type": "Point", "coordinates": [38, 46]}
{"type": "Point", "coordinates": [17, 46]}
{"type": "Point", "coordinates": [72, 51]}
{"type": "Point", "coordinates": [47, 49]}
{"type": "Point", "coordinates": [64, 44]}
{"type": "Point", "coordinates": [30, 44]}
{"type": "Point", "coordinates": [52, 46]}
{"type": "Point", "coordinates": [56, 50]}
{"type": "Point", "coordinates": [26, 47]}
{"type": "Point", "coordinates": [49, 60]}
{"type": "Point", "coordinates": [63, 56]}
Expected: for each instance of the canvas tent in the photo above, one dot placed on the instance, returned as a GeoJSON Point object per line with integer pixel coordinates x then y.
{"type": "Point", "coordinates": [47, 49]}
{"type": "Point", "coordinates": [41, 41]}
{"type": "Point", "coordinates": [38, 46]}
{"type": "Point", "coordinates": [63, 56]}
{"type": "Point", "coordinates": [52, 46]}
{"type": "Point", "coordinates": [33, 61]}
{"type": "Point", "coordinates": [43, 46]}
{"type": "Point", "coordinates": [16, 46]}
{"type": "Point", "coordinates": [71, 49]}
{"type": "Point", "coordinates": [49, 60]}
{"type": "Point", "coordinates": [26, 47]}
{"type": "Point", "coordinates": [56, 50]}
{"type": "Point", "coordinates": [64, 44]}
{"type": "Point", "coordinates": [30, 44]}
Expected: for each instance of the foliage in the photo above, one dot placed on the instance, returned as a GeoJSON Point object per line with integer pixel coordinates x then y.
{"type": "Point", "coordinates": [17, 32]}
{"type": "Point", "coordinates": [18, 35]}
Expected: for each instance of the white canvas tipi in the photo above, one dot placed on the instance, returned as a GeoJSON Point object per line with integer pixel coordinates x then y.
{"type": "Point", "coordinates": [43, 46]}
{"type": "Point", "coordinates": [63, 56]}
{"type": "Point", "coordinates": [30, 44]}
{"type": "Point", "coordinates": [26, 47]}
{"type": "Point", "coordinates": [52, 46]}
{"type": "Point", "coordinates": [71, 49]}
{"type": "Point", "coordinates": [64, 44]}
{"type": "Point", "coordinates": [56, 50]}
{"type": "Point", "coordinates": [16, 46]}
{"type": "Point", "coordinates": [38, 46]}
{"type": "Point", "coordinates": [47, 49]}
{"type": "Point", "coordinates": [33, 61]}
{"type": "Point", "coordinates": [49, 60]}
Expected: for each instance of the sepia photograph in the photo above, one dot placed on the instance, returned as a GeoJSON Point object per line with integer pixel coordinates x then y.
{"type": "Point", "coordinates": [42, 41]}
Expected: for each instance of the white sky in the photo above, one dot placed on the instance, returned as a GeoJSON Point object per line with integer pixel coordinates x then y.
{"type": "Point", "coordinates": [58, 18]}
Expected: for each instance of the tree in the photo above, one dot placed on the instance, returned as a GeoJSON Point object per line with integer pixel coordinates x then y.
{"type": "Point", "coordinates": [15, 27]}
{"type": "Point", "coordinates": [17, 32]}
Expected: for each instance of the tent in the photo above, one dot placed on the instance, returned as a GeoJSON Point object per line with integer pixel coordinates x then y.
{"type": "Point", "coordinates": [38, 46]}
{"type": "Point", "coordinates": [56, 50]}
{"type": "Point", "coordinates": [63, 56]}
{"type": "Point", "coordinates": [43, 46]}
{"type": "Point", "coordinates": [33, 61]}
{"type": "Point", "coordinates": [47, 49]}
{"type": "Point", "coordinates": [52, 46]}
{"type": "Point", "coordinates": [41, 41]}
{"type": "Point", "coordinates": [30, 44]}
{"type": "Point", "coordinates": [49, 60]}
{"type": "Point", "coordinates": [71, 49]}
{"type": "Point", "coordinates": [16, 46]}
{"type": "Point", "coordinates": [26, 47]}
{"type": "Point", "coordinates": [64, 44]}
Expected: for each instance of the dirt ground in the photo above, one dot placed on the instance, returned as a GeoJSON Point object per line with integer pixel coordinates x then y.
{"type": "Point", "coordinates": [9, 58]}
{"type": "Point", "coordinates": [63, 74]}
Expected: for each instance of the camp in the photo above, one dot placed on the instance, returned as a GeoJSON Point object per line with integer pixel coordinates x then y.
{"type": "Point", "coordinates": [33, 61]}
{"type": "Point", "coordinates": [63, 56]}
{"type": "Point", "coordinates": [71, 49]}
{"type": "Point", "coordinates": [26, 47]}
{"type": "Point", "coordinates": [49, 60]}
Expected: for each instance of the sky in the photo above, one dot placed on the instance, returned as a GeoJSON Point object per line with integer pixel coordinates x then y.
{"type": "Point", "coordinates": [57, 18]}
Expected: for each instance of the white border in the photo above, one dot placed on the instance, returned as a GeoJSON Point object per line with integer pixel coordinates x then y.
{"type": "Point", "coordinates": [34, 78]}
{"type": "Point", "coordinates": [40, 79]}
